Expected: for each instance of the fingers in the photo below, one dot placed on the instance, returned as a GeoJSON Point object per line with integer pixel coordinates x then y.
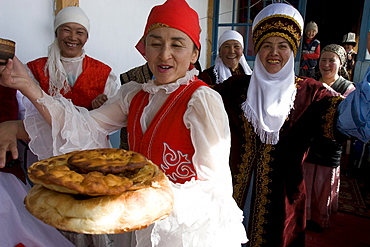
{"type": "Point", "coordinates": [99, 101]}
{"type": "Point", "coordinates": [12, 148]}
{"type": "Point", "coordinates": [5, 73]}
{"type": "Point", "coordinates": [95, 104]}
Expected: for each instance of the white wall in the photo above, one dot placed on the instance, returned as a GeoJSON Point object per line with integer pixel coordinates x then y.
{"type": "Point", "coordinates": [115, 28]}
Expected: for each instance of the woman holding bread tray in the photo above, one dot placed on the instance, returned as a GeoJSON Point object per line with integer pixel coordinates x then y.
{"type": "Point", "coordinates": [175, 120]}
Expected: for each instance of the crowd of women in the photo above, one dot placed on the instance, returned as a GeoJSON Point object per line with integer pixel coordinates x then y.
{"type": "Point", "coordinates": [245, 136]}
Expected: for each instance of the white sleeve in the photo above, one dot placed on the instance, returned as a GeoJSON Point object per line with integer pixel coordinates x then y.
{"type": "Point", "coordinates": [111, 86]}
{"type": "Point", "coordinates": [210, 133]}
{"type": "Point", "coordinates": [76, 128]}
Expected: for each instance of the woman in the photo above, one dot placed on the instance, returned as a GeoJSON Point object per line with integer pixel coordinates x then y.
{"type": "Point", "coordinates": [229, 61]}
{"type": "Point", "coordinates": [322, 165]}
{"type": "Point", "coordinates": [331, 69]}
{"type": "Point", "coordinates": [273, 116]}
{"type": "Point", "coordinates": [173, 114]}
{"type": "Point", "coordinates": [68, 70]}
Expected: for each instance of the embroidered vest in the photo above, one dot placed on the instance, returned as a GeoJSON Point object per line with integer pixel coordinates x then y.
{"type": "Point", "coordinates": [88, 85]}
{"type": "Point", "coordinates": [167, 141]}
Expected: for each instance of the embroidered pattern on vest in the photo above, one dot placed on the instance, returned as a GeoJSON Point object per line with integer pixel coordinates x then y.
{"type": "Point", "coordinates": [329, 117]}
{"type": "Point", "coordinates": [259, 156]}
{"type": "Point", "coordinates": [184, 167]}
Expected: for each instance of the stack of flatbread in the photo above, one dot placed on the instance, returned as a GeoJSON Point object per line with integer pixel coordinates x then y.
{"type": "Point", "coordinates": [99, 191]}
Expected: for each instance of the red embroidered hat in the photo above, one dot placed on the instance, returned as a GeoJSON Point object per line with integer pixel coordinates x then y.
{"type": "Point", "coordinates": [278, 19]}
{"type": "Point", "coordinates": [175, 14]}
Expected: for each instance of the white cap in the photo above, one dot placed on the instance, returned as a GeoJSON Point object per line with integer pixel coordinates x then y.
{"type": "Point", "coordinates": [230, 35]}
{"type": "Point", "coordinates": [72, 14]}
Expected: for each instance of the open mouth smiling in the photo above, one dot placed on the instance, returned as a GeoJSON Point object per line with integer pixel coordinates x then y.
{"type": "Point", "coordinates": [273, 61]}
{"type": "Point", "coordinates": [71, 45]}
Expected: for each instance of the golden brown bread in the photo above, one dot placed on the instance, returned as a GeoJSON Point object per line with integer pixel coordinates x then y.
{"type": "Point", "coordinates": [93, 172]}
{"type": "Point", "coordinates": [132, 210]}
{"type": "Point", "coordinates": [87, 197]}
{"type": "Point", "coordinates": [106, 160]}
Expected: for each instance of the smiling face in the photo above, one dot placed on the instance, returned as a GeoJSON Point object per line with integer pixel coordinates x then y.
{"type": "Point", "coordinates": [169, 53]}
{"type": "Point", "coordinates": [230, 53]}
{"type": "Point", "coordinates": [71, 38]}
{"type": "Point", "coordinates": [274, 53]}
{"type": "Point", "coordinates": [310, 34]}
{"type": "Point", "coordinates": [329, 65]}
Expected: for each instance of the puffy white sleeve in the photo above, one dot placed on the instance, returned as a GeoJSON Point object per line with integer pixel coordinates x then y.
{"type": "Point", "coordinates": [75, 128]}
{"type": "Point", "coordinates": [205, 213]}
{"type": "Point", "coordinates": [111, 86]}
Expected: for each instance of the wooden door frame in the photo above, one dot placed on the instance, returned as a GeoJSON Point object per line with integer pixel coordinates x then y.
{"type": "Point", "coordinates": [60, 4]}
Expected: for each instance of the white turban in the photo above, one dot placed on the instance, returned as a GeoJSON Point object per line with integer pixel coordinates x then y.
{"type": "Point", "coordinates": [230, 35]}
{"type": "Point", "coordinates": [72, 14]}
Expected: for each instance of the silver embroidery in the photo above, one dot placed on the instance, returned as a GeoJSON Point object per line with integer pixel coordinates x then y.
{"type": "Point", "coordinates": [172, 158]}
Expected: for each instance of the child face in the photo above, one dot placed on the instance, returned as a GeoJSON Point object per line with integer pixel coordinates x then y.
{"type": "Point", "coordinates": [311, 34]}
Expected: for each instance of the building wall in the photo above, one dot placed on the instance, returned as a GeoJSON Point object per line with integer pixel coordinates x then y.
{"type": "Point", "coordinates": [116, 26]}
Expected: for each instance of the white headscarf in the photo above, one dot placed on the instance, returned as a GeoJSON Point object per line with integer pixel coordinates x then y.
{"type": "Point", "coordinates": [269, 100]}
{"type": "Point", "coordinates": [270, 97]}
{"type": "Point", "coordinates": [221, 71]}
{"type": "Point", "coordinates": [57, 73]}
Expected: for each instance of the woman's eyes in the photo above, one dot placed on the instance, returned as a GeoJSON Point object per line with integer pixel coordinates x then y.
{"type": "Point", "coordinates": [155, 44]}
{"type": "Point", "coordinates": [281, 47]}
{"type": "Point", "coordinates": [266, 46]}
{"type": "Point", "coordinates": [160, 44]}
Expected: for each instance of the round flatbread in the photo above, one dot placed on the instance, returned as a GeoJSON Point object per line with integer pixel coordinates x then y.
{"type": "Point", "coordinates": [106, 160]}
{"type": "Point", "coordinates": [93, 172]}
{"type": "Point", "coordinates": [136, 209]}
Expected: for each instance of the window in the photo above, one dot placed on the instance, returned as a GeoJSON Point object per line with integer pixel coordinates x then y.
{"type": "Point", "coordinates": [238, 15]}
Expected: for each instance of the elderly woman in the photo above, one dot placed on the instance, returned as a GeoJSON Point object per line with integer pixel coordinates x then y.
{"type": "Point", "coordinates": [70, 71]}
{"type": "Point", "coordinates": [229, 61]}
{"type": "Point", "coordinates": [322, 165]}
{"type": "Point", "coordinates": [174, 115]}
{"type": "Point", "coordinates": [273, 117]}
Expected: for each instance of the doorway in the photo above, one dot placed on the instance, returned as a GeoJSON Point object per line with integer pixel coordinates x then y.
{"type": "Point", "coordinates": [335, 19]}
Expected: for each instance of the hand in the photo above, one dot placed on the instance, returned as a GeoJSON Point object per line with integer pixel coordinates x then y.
{"type": "Point", "coordinates": [14, 75]}
{"type": "Point", "coordinates": [8, 140]}
{"type": "Point", "coordinates": [99, 101]}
